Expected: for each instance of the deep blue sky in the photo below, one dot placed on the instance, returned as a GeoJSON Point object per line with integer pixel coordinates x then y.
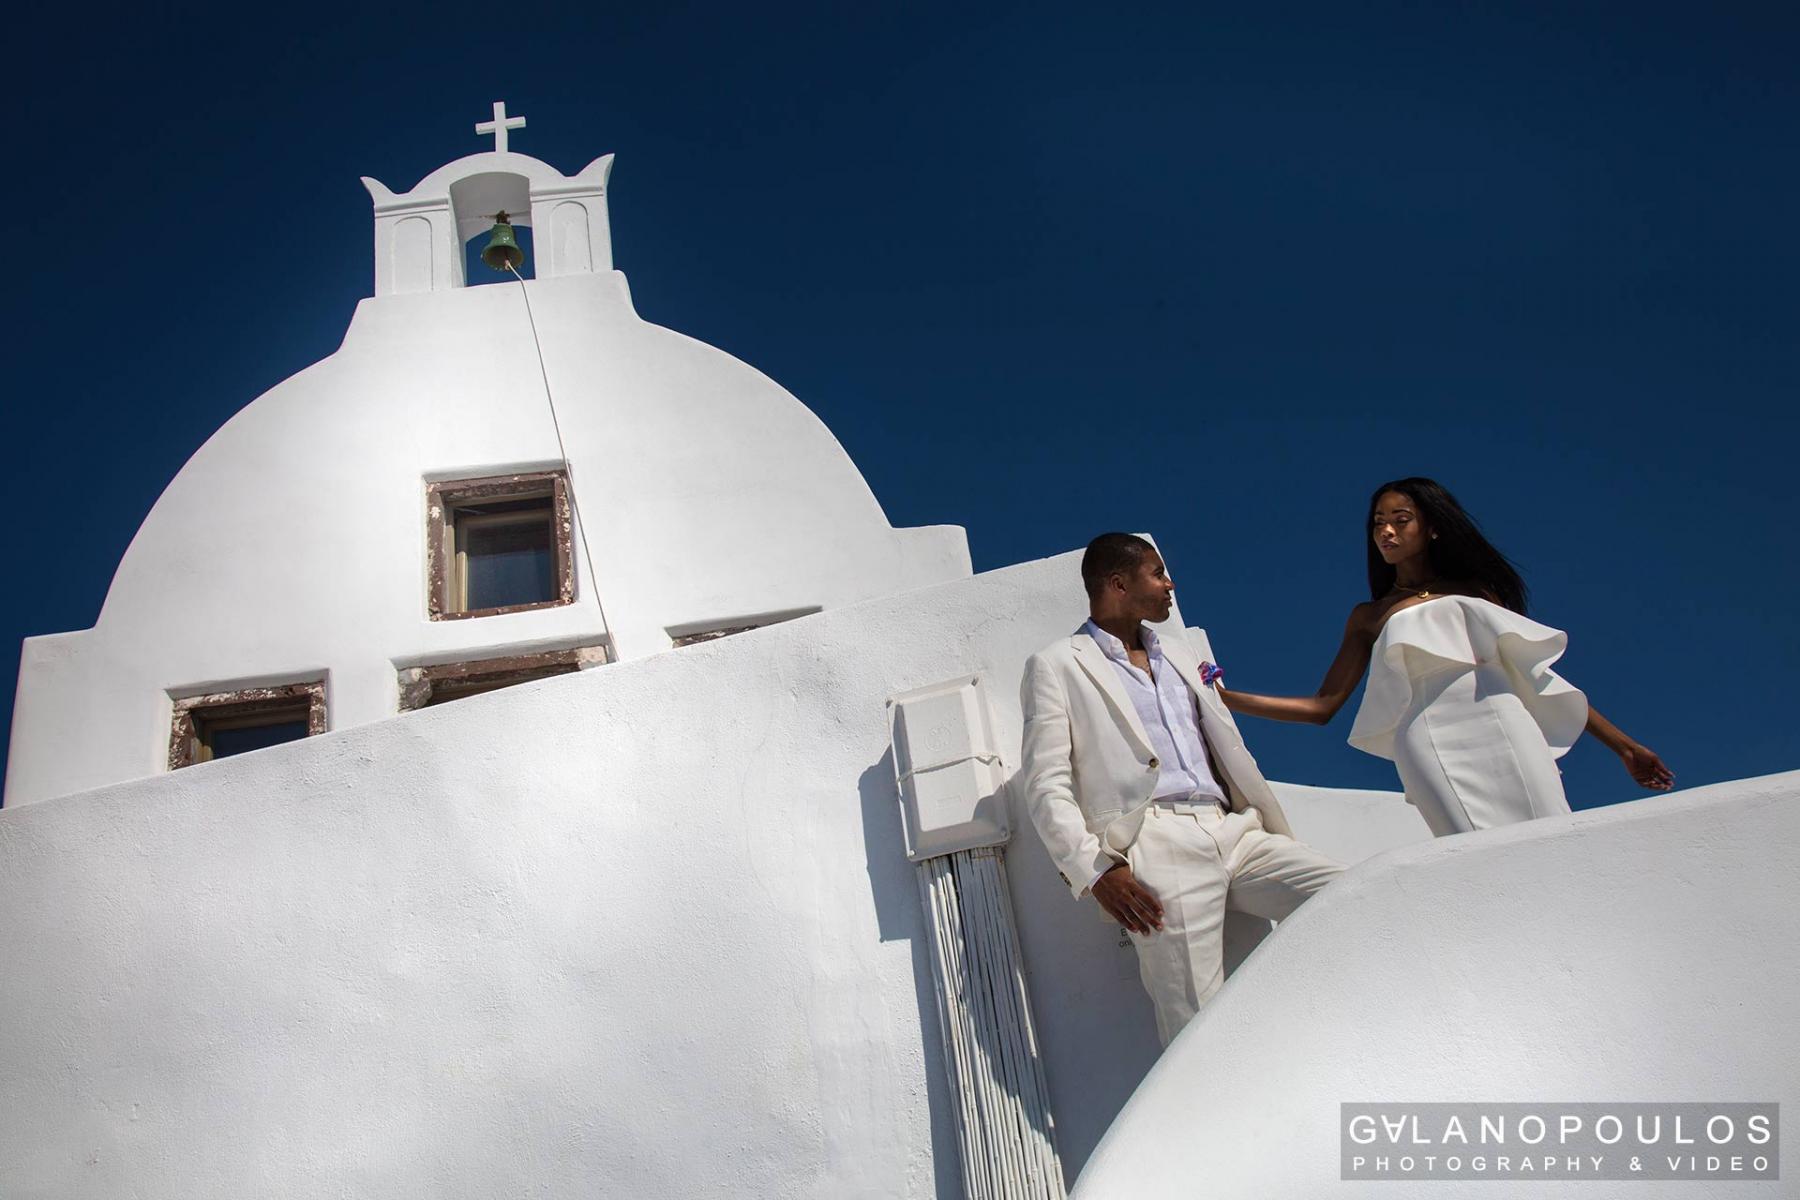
{"type": "Point", "coordinates": [1207, 271]}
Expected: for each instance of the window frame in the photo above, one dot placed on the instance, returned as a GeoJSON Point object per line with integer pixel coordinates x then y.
{"type": "Point", "coordinates": [447, 579]}
{"type": "Point", "coordinates": [698, 633]}
{"type": "Point", "coordinates": [700, 637]}
{"type": "Point", "coordinates": [425, 687]}
{"type": "Point", "coordinates": [191, 713]}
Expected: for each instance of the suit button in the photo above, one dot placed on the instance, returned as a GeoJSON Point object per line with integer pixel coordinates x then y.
{"type": "Point", "coordinates": [1154, 764]}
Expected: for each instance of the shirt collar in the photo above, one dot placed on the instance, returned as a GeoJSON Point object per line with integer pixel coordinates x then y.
{"type": "Point", "coordinates": [1114, 649]}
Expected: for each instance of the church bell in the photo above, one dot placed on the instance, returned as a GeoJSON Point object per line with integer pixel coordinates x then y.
{"type": "Point", "coordinates": [502, 251]}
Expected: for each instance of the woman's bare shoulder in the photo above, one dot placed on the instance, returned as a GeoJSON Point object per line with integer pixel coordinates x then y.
{"type": "Point", "coordinates": [1365, 620]}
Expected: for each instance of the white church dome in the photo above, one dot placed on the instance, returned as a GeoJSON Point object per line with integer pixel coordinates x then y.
{"type": "Point", "coordinates": [306, 553]}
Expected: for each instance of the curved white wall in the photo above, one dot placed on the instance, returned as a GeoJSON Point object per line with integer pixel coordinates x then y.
{"type": "Point", "coordinates": [293, 543]}
{"type": "Point", "coordinates": [648, 930]}
{"type": "Point", "coordinates": [1642, 952]}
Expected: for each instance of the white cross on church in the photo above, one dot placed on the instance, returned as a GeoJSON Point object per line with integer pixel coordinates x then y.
{"type": "Point", "coordinates": [499, 125]}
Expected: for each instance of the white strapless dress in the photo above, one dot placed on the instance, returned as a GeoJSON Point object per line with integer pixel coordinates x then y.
{"type": "Point", "coordinates": [1462, 698]}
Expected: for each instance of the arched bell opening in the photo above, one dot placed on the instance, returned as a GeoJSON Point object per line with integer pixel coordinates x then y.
{"type": "Point", "coordinates": [490, 207]}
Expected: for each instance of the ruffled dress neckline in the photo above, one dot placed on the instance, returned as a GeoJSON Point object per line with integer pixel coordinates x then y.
{"type": "Point", "coordinates": [1456, 632]}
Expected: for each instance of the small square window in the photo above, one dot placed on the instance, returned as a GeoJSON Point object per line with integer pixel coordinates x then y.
{"type": "Point", "coordinates": [223, 724]}
{"type": "Point", "coordinates": [222, 737]}
{"type": "Point", "coordinates": [505, 554]}
{"type": "Point", "coordinates": [499, 545]}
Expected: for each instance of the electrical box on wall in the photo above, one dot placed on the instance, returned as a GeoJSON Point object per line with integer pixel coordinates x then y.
{"type": "Point", "coordinates": [948, 768]}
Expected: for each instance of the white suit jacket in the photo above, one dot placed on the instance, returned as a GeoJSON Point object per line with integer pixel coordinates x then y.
{"type": "Point", "coordinates": [1088, 768]}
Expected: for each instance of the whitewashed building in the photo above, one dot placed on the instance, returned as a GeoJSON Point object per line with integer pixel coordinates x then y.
{"type": "Point", "coordinates": [654, 911]}
{"type": "Point", "coordinates": [312, 543]}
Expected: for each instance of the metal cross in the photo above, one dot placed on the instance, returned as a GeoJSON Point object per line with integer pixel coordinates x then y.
{"type": "Point", "coordinates": [499, 125]}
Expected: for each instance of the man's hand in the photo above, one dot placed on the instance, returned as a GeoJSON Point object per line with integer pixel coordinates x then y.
{"type": "Point", "coordinates": [1127, 901]}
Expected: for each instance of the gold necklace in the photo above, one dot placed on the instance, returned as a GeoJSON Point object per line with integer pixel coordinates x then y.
{"type": "Point", "coordinates": [1423, 593]}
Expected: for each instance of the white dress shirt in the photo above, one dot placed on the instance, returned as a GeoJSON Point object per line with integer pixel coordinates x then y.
{"type": "Point", "coordinates": [1167, 711]}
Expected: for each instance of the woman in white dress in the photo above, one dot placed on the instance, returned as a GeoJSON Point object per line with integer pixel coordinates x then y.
{"type": "Point", "coordinates": [1461, 695]}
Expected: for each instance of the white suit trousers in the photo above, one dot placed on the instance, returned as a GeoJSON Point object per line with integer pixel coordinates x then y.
{"type": "Point", "coordinates": [1199, 860]}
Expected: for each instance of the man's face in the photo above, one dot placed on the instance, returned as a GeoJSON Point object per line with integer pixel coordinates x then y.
{"type": "Point", "coordinates": [1149, 592]}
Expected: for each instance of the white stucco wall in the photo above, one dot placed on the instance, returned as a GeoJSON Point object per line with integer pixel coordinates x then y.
{"type": "Point", "coordinates": [1642, 952]}
{"type": "Point", "coordinates": [292, 544]}
{"type": "Point", "coordinates": [644, 931]}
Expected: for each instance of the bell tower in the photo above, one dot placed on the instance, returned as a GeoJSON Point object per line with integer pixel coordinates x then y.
{"type": "Point", "coordinates": [419, 235]}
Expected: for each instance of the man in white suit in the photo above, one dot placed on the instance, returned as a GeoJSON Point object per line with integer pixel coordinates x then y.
{"type": "Point", "coordinates": [1139, 784]}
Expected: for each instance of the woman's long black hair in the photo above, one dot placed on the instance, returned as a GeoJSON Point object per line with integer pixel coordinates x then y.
{"type": "Point", "coordinates": [1459, 553]}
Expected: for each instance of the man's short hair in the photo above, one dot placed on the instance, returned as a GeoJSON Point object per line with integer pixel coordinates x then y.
{"type": "Point", "coordinates": [1111, 554]}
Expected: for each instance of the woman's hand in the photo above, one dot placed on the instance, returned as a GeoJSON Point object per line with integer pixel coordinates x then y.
{"type": "Point", "coordinates": [1640, 760]}
{"type": "Point", "coordinates": [1646, 767]}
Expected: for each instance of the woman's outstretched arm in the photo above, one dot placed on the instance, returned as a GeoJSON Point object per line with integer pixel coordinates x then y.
{"type": "Point", "coordinates": [1641, 761]}
{"type": "Point", "coordinates": [1340, 680]}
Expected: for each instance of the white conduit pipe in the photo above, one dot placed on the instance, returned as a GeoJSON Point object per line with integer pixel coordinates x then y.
{"type": "Point", "coordinates": [990, 1048]}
